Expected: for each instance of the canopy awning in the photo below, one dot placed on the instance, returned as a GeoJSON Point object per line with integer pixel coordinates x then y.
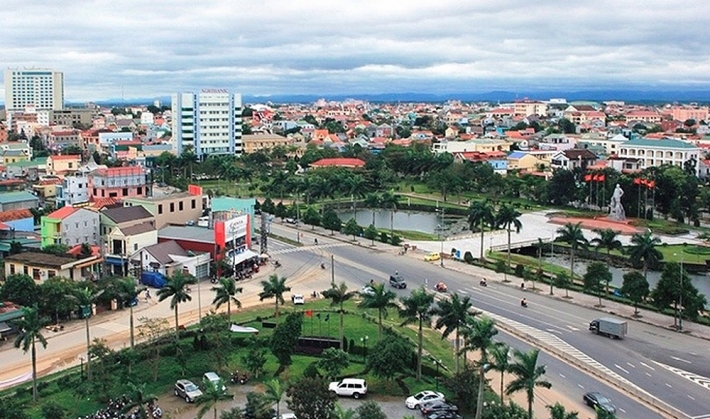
{"type": "Point", "coordinates": [242, 329]}
{"type": "Point", "coordinates": [4, 327]}
{"type": "Point", "coordinates": [245, 255]}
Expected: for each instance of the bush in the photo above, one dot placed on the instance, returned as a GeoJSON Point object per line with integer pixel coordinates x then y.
{"type": "Point", "coordinates": [396, 240]}
{"type": "Point", "coordinates": [501, 266]}
{"type": "Point", "coordinates": [311, 371]}
{"type": "Point", "coordinates": [384, 238]}
{"type": "Point", "coordinates": [52, 410]}
{"type": "Point", "coordinates": [468, 257]}
{"type": "Point", "coordinates": [520, 270]}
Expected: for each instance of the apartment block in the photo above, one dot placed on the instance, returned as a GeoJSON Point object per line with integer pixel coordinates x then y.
{"type": "Point", "coordinates": [41, 89]}
{"type": "Point", "coordinates": [117, 182]}
{"type": "Point", "coordinates": [70, 226]}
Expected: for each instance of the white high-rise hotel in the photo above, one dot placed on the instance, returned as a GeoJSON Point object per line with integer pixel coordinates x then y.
{"type": "Point", "coordinates": [37, 88]}
{"type": "Point", "coordinates": [209, 121]}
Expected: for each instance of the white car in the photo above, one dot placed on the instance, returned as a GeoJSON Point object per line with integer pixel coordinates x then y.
{"type": "Point", "coordinates": [349, 387]}
{"type": "Point", "coordinates": [213, 379]}
{"type": "Point", "coordinates": [298, 299]}
{"type": "Point", "coordinates": [413, 402]}
{"type": "Point", "coordinates": [286, 416]}
{"type": "Point", "coordinates": [367, 290]}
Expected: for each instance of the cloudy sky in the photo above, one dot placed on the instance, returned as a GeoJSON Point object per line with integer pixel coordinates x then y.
{"type": "Point", "coordinates": [109, 48]}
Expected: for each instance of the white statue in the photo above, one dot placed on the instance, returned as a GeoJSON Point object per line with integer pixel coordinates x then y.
{"type": "Point", "coordinates": [616, 209]}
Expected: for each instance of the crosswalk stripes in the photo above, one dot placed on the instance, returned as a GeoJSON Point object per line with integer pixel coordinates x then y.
{"type": "Point", "coordinates": [697, 379]}
{"type": "Point", "coordinates": [307, 248]}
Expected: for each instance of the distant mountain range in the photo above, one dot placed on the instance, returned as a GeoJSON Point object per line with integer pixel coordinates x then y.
{"type": "Point", "coordinates": [644, 96]}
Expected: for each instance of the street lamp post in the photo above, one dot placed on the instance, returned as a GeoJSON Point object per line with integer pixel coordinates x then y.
{"type": "Point", "coordinates": [364, 340]}
{"type": "Point", "coordinates": [680, 295]}
{"type": "Point", "coordinates": [81, 370]}
{"type": "Point", "coordinates": [440, 230]}
{"type": "Point", "coordinates": [437, 362]}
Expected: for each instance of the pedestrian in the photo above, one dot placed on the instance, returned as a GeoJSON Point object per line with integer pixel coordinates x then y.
{"type": "Point", "coordinates": [147, 295]}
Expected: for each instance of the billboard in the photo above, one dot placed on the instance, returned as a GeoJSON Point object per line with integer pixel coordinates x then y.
{"type": "Point", "coordinates": [231, 229]}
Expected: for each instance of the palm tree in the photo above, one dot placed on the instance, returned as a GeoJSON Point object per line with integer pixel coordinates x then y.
{"type": "Point", "coordinates": [417, 309]}
{"type": "Point", "coordinates": [643, 248]}
{"type": "Point", "coordinates": [608, 240]}
{"type": "Point", "coordinates": [478, 335]}
{"type": "Point", "coordinates": [30, 327]}
{"type": "Point", "coordinates": [388, 200]}
{"type": "Point", "coordinates": [214, 393]}
{"type": "Point", "coordinates": [373, 201]}
{"type": "Point", "coordinates": [339, 295]}
{"type": "Point", "coordinates": [528, 375]}
{"type": "Point", "coordinates": [275, 288]}
{"type": "Point", "coordinates": [176, 288]}
{"type": "Point", "coordinates": [507, 217]}
{"type": "Point", "coordinates": [573, 235]}
{"type": "Point", "coordinates": [454, 313]}
{"type": "Point", "coordinates": [226, 293]}
{"type": "Point", "coordinates": [500, 357]}
{"type": "Point", "coordinates": [481, 213]}
{"type": "Point", "coordinates": [380, 299]}
{"type": "Point", "coordinates": [557, 411]}
{"type": "Point", "coordinates": [274, 393]}
{"type": "Point", "coordinates": [85, 298]}
{"type": "Point", "coordinates": [340, 413]}
{"type": "Point", "coordinates": [138, 397]}
{"type": "Point", "coordinates": [129, 293]}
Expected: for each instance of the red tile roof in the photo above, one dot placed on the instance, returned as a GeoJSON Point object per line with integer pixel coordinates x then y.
{"type": "Point", "coordinates": [66, 157]}
{"type": "Point", "coordinates": [62, 213]}
{"type": "Point", "coordinates": [15, 215]}
{"type": "Point", "coordinates": [340, 162]}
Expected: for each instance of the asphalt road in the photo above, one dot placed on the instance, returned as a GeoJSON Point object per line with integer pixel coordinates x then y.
{"type": "Point", "coordinates": [655, 360]}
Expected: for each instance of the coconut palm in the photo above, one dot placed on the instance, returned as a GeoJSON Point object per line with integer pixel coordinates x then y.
{"type": "Point", "coordinates": [138, 398]}
{"type": "Point", "coordinates": [338, 295]}
{"type": "Point", "coordinates": [274, 393]}
{"type": "Point", "coordinates": [528, 375]}
{"type": "Point", "coordinates": [85, 298]}
{"type": "Point", "coordinates": [373, 201]}
{"type": "Point", "coordinates": [226, 293]}
{"type": "Point", "coordinates": [608, 240]}
{"type": "Point", "coordinates": [481, 213]}
{"type": "Point", "coordinates": [340, 413]}
{"type": "Point", "coordinates": [275, 288]}
{"type": "Point", "coordinates": [30, 327]}
{"type": "Point", "coordinates": [129, 292]}
{"type": "Point", "coordinates": [379, 299]}
{"type": "Point", "coordinates": [558, 411]}
{"type": "Point", "coordinates": [177, 289]}
{"type": "Point", "coordinates": [453, 314]}
{"type": "Point", "coordinates": [500, 361]}
{"type": "Point", "coordinates": [478, 335]}
{"type": "Point", "coordinates": [643, 248]}
{"type": "Point", "coordinates": [507, 217]}
{"type": "Point", "coordinates": [417, 309]}
{"type": "Point", "coordinates": [573, 235]}
{"type": "Point", "coordinates": [388, 200]}
{"type": "Point", "coordinates": [213, 394]}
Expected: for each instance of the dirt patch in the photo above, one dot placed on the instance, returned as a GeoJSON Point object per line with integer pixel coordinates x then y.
{"type": "Point", "coordinates": [599, 223]}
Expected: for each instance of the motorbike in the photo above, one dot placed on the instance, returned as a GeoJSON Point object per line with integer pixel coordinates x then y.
{"type": "Point", "coordinates": [277, 264]}
{"type": "Point", "coordinates": [237, 378]}
{"type": "Point", "coordinates": [524, 303]}
{"type": "Point", "coordinates": [483, 283]}
{"type": "Point", "coordinates": [322, 265]}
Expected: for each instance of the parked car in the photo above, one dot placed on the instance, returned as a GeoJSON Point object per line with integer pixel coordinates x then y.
{"type": "Point", "coordinates": [397, 281]}
{"type": "Point", "coordinates": [599, 401]}
{"type": "Point", "coordinates": [291, 221]}
{"type": "Point", "coordinates": [187, 390]}
{"type": "Point", "coordinates": [437, 406]}
{"type": "Point", "coordinates": [286, 416]}
{"type": "Point", "coordinates": [422, 397]}
{"type": "Point", "coordinates": [444, 415]}
{"type": "Point", "coordinates": [367, 290]}
{"type": "Point", "coordinates": [298, 299]}
{"type": "Point", "coordinates": [349, 387]}
{"type": "Point", "coordinates": [214, 379]}
{"type": "Point", "coordinates": [432, 256]}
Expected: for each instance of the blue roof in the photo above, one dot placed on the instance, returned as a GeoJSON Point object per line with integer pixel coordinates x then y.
{"type": "Point", "coordinates": [516, 154]}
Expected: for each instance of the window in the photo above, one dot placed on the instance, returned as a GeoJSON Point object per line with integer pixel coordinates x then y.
{"type": "Point", "coordinates": [140, 191]}
{"type": "Point", "coordinates": [35, 274]}
{"type": "Point", "coordinates": [180, 208]}
{"type": "Point", "coordinates": [172, 207]}
{"type": "Point", "coordinates": [193, 204]}
{"type": "Point", "coordinates": [124, 191]}
{"type": "Point", "coordinates": [12, 269]}
{"type": "Point", "coordinates": [135, 246]}
{"type": "Point", "coordinates": [160, 208]}
{"type": "Point", "coordinates": [25, 270]}
{"type": "Point", "coordinates": [51, 274]}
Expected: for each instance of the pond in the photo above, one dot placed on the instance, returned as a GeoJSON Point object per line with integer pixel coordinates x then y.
{"type": "Point", "coordinates": [425, 222]}
{"type": "Point", "coordinates": [701, 282]}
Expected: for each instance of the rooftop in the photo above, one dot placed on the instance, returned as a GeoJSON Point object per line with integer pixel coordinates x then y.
{"type": "Point", "coordinates": [62, 213]}
{"type": "Point", "coordinates": [17, 196]}
{"type": "Point", "coordinates": [122, 214]}
{"type": "Point", "coordinates": [189, 233]}
{"type": "Point", "coordinates": [41, 259]}
{"type": "Point", "coordinates": [162, 251]}
{"type": "Point", "coordinates": [665, 143]}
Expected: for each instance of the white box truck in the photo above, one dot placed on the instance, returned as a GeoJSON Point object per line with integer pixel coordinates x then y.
{"type": "Point", "coordinates": [608, 326]}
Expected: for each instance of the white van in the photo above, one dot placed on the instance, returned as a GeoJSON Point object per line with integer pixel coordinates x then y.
{"type": "Point", "coordinates": [349, 387]}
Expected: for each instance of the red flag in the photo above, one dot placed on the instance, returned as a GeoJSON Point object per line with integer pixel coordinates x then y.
{"type": "Point", "coordinates": [644, 182]}
{"type": "Point", "coordinates": [651, 184]}
{"type": "Point", "coordinates": [595, 178]}
{"type": "Point", "coordinates": [637, 181]}
{"type": "Point", "coordinates": [309, 313]}
{"type": "Point", "coordinates": [587, 178]}
{"type": "Point", "coordinates": [601, 178]}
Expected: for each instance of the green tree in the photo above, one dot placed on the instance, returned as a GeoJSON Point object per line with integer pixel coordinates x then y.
{"type": "Point", "coordinates": [597, 274]}
{"type": "Point", "coordinates": [352, 229]}
{"type": "Point", "coordinates": [53, 301]}
{"type": "Point", "coordinates": [453, 314]}
{"type": "Point", "coordinates": [176, 288]}
{"type": "Point", "coordinates": [30, 327]}
{"type": "Point", "coordinates": [255, 358]}
{"type": "Point", "coordinates": [371, 233]}
{"type": "Point", "coordinates": [284, 339]}
{"type": "Point", "coordinates": [508, 217]}
{"type": "Point", "coordinates": [373, 201]}
{"type": "Point", "coordinates": [309, 398]}
{"type": "Point", "coordinates": [389, 356]}
{"type": "Point", "coordinates": [226, 293]}
{"type": "Point", "coordinates": [338, 295]}
{"type": "Point", "coordinates": [52, 410]}
{"type": "Point", "coordinates": [233, 413]}
{"type": "Point", "coordinates": [464, 387]}
{"type": "Point", "coordinates": [528, 375]}
{"type": "Point", "coordinates": [558, 411]}
{"type": "Point", "coordinates": [573, 235]}
{"type": "Point", "coordinates": [390, 201]}
{"type": "Point", "coordinates": [340, 413]}
{"type": "Point", "coordinates": [500, 361]}
{"type": "Point", "coordinates": [333, 361]}
{"type": "Point", "coordinates": [380, 299]}
{"type": "Point", "coordinates": [331, 221]}
{"type": "Point", "coordinates": [85, 299]}
{"type": "Point", "coordinates": [608, 239]}
{"type": "Point", "coordinates": [153, 330]}
{"type": "Point", "coordinates": [370, 410]}
{"type": "Point", "coordinates": [274, 393]}
{"type": "Point", "coordinates": [138, 398]}
{"type": "Point", "coordinates": [21, 289]}
{"type": "Point", "coordinates": [275, 288]}
{"type": "Point", "coordinates": [480, 214]}
{"type": "Point", "coordinates": [311, 217]}
{"type": "Point", "coordinates": [258, 407]}
{"type": "Point", "coordinates": [478, 336]}
{"type": "Point", "coordinates": [417, 308]}
{"type": "Point", "coordinates": [562, 187]}
{"type": "Point", "coordinates": [128, 293]}
{"type": "Point", "coordinates": [675, 289]}
{"type": "Point", "coordinates": [636, 288]}
{"type": "Point", "coordinates": [643, 251]}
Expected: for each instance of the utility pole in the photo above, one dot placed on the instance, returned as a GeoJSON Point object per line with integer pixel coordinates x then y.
{"type": "Point", "coordinates": [443, 236]}
{"type": "Point", "coordinates": [332, 270]}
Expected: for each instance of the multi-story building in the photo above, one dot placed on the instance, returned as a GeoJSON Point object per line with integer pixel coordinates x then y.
{"type": "Point", "coordinates": [70, 226]}
{"type": "Point", "coordinates": [58, 140]}
{"type": "Point", "coordinates": [41, 89]}
{"type": "Point", "coordinates": [527, 107]}
{"type": "Point", "coordinates": [255, 142]}
{"type": "Point", "coordinates": [70, 117]}
{"type": "Point", "coordinates": [124, 230]}
{"type": "Point", "coordinates": [181, 208]}
{"type": "Point", "coordinates": [58, 165]}
{"type": "Point", "coordinates": [208, 122]}
{"type": "Point", "coordinates": [117, 182]}
{"type": "Point", "coordinates": [658, 152]}
{"type": "Point", "coordinates": [74, 190]}
{"type": "Point", "coordinates": [481, 145]}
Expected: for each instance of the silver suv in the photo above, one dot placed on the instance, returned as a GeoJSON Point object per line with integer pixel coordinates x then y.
{"type": "Point", "coordinates": [187, 390]}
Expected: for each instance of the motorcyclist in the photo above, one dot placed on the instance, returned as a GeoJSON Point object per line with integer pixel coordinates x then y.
{"type": "Point", "coordinates": [524, 302]}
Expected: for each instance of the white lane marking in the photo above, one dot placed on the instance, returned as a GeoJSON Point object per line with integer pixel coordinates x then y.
{"type": "Point", "coordinates": [622, 410]}
{"type": "Point", "coordinates": [307, 248]}
{"type": "Point", "coordinates": [691, 397]}
{"type": "Point", "coordinates": [562, 375]}
{"type": "Point", "coordinates": [572, 328]}
{"type": "Point", "coordinates": [580, 386]}
{"type": "Point", "coordinates": [619, 367]}
{"type": "Point", "coordinates": [648, 366]}
{"type": "Point", "coordinates": [648, 374]}
{"type": "Point", "coordinates": [554, 331]}
{"type": "Point", "coordinates": [669, 386]}
{"type": "Point", "coordinates": [631, 365]}
{"type": "Point", "coordinates": [697, 379]}
{"type": "Point", "coordinates": [681, 360]}
{"type": "Point", "coordinates": [463, 291]}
